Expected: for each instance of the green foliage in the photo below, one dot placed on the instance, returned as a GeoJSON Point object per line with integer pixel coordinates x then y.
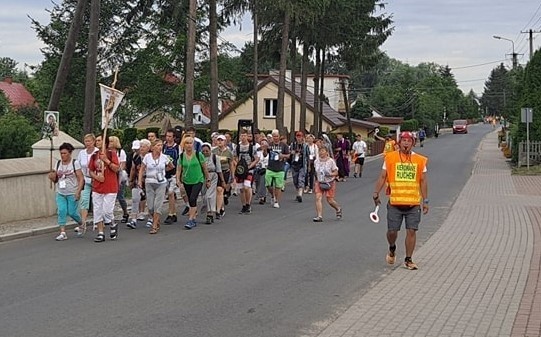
{"type": "Point", "coordinates": [5, 106]}
{"type": "Point", "coordinates": [16, 136]}
{"type": "Point", "coordinates": [410, 125]}
{"type": "Point", "coordinates": [130, 134]}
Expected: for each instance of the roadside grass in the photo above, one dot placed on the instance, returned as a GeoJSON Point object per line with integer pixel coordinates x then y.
{"type": "Point", "coordinates": [534, 170]}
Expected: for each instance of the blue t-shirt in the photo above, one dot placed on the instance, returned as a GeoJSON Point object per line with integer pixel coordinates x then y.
{"type": "Point", "coordinates": [173, 154]}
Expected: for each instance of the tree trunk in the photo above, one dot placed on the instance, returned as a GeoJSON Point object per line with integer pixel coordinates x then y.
{"type": "Point", "coordinates": [317, 131]}
{"type": "Point", "coordinates": [304, 86]}
{"type": "Point", "coordinates": [282, 78]}
{"type": "Point", "coordinates": [293, 54]}
{"type": "Point", "coordinates": [255, 117]}
{"type": "Point", "coordinates": [91, 62]}
{"type": "Point", "coordinates": [213, 22]}
{"type": "Point", "coordinates": [69, 48]}
{"type": "Point", "coordinates": [346, 105]}
{"type": "Point", "coordinates": [190, 64]}
{"type": "Point", "coordinates": [321, 92]}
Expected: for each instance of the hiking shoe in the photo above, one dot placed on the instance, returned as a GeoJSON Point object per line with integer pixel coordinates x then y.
{"type": "Point", "coordinates": [114, 232]}
{"type": "Point", "coordinates": [168, 220]}
{"type": "Point", "coordinates": [209, 220]}
{"type": "Point", "coordinates": [298, 198]}
{"type": "Point", "coordinates": [318, 219]}
{"type": "Point", "coordinates": [190, 224]}
{"type": "Point", "coordinates": [248, 210]}
{"type": "Point", "coordinates": [99, 238]}
{"type": "Point", "coordinates": [132, 224]}
{"type": "Point", "coordinates": [410, 265]}
{"type": "Point", "coordinates": [125, 218]}
{"type": "Point", "coordinates": [390, 258]}
{"type": "Point", "coordinates": [62, 236]}
{"type": "Point", "coordinates": [186, 210]}
{"type": "Point", "coordinates": [243, 210]}
{"type": "Point", "coordinates": [339, 214]}
{"type": "Point", "coordinates": [276, 205]}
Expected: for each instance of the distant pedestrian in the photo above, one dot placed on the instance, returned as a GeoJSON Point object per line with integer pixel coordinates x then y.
{"type": "Point", "coordinates": [422, 135]}
{"type": "Point", "coordinates": [154, 166]}
{"type": "Point", "coordinates": [69, 184]}
{"type": "Point", "coordinates": [313, 154]}
{"type": "Point", "coordinates": [326, 172]}
{"type": "Point", "coordinates": [225, 156]}
{"type": "Point", "coordinates": [83, 158]}
{"type": "Point", "coordinates": [261, 170]}
{"type": "Point", "coordinates": [358, 151]}
{"type": "Point", "coordinates": [214, 169]}
{"type": "Point", "coordinates": [274, 176]}
{"type": "Point", "coordinates": [245, 163]}
{"type": "Point", "coordinates": [404, 172]}
{"type": "Point", "coordinates": [192, 174]}
{"type": "Point", "coordinates": [114, 145]}
{"type": "Point", "coordinates": [341, 156]}
{"type": "Point", "coordinates": [103, 168]}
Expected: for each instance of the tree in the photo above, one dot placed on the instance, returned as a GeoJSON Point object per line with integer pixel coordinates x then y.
{"type": "Point", "coordinates": [16, 136]}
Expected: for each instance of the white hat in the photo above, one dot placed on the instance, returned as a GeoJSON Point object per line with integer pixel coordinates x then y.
{"type": "Point", "coordinates": [136, 145]}
{"type": "Point", "coordinates": [222, 137]}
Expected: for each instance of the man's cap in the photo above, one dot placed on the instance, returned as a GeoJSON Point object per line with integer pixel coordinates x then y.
{"type": "Point", "coordinates": [299, 134]}
{"type": "Point", "coordinates": [136, 145]}
{"type": "Point", "coordinates": [407, 134]}
{"type": "Point", "coordinates": [222, 137]}
{"type": "Point", "coordinates": [214, 134]}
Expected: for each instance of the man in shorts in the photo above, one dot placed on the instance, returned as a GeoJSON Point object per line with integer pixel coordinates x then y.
{"type": "Point", "coordinates": [245, 154]}
{"type": "Point", "coordinates": [275, 174]}
{"type": "Point", "coordinates": [170, 149]}
{"type": "Point", "coordinates": [358, 150]}
{"type": "Point", "coordinates": [404, 172]}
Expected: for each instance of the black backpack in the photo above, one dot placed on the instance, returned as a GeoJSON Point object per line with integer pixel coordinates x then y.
{"type": "Point", "coordinates": [241, 170]}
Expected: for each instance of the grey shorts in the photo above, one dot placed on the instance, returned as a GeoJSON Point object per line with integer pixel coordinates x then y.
{"type": "Point", "coordinates": [397, 214]}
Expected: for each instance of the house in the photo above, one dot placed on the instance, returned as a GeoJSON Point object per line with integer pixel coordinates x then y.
{"type": "Point", "coordinates": [17, 94]}
{"type": "Point", "coordinates": [267, 93]}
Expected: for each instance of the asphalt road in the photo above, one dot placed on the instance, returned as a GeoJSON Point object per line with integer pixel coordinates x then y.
{"type": "Point", "coordinates": [271, 273]}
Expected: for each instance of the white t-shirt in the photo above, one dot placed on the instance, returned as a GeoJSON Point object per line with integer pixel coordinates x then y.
{"type": "Point", "coordinates": [313, 152]}
{"type": "Point", "coordinates": [83, 158]}
{"type": "Point", "coordinates": [263, 160]}
{"type": "Point", "coordinates": [67, 179]}
{"type": "Point", "coordinates": [360, 148]}
{"type": "Point", "coordinates": [324, 169]}
{"type": "Point", "coordinates": [155, 172]}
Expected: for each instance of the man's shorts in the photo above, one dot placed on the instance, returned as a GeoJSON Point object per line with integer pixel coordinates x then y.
{"type": "Point", "coordinates": [172, 185]}
{"type": "Point", "coordinates": [359, 160]}
{"type": "Point", "coordinates": [396, 215]}
{"type": "Point", "coordinates": [246, 182]}
{"type": "Point", "coordinates": [275, 179]}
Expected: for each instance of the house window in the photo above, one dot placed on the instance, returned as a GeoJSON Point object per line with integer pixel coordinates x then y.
{"type": "Point", "coordinates": [271, 106]}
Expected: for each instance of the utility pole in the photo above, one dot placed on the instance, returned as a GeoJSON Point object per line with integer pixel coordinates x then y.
{"type": "Point", "coordinates": [530, 33]}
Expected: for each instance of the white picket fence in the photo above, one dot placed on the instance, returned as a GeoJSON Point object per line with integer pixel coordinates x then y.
{"type": "Point", "coordinates": [535, 153]}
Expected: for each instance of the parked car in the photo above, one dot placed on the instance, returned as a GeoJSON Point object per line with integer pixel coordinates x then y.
{"type": "Point", "coordinates": [460, 126]}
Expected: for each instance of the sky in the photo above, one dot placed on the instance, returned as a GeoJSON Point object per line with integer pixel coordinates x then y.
{"type": "Point", "coordinates": [456, 33]}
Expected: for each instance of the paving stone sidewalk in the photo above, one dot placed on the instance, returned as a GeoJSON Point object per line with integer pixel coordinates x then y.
{"type": "Point", "coordinates": [478, 274]}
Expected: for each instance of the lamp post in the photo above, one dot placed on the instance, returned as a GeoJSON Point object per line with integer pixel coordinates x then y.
{"type": "Point", "coordinates": [513, 44]}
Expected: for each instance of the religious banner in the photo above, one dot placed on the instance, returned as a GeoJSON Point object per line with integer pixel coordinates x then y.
{"type": "Point", "coordinates": [110, 101]}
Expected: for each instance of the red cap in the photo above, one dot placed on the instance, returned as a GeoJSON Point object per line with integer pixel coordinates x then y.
{"type": "Point", "coordinates": [406, 134]}
{"type": "Point", "coordinates": [299, 134]}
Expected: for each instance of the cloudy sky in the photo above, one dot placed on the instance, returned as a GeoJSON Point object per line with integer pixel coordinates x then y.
{"type": "Point", "coordinates": [457, 33]}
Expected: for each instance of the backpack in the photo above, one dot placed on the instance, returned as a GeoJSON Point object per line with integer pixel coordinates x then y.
{"type": "Point", "coordinates": [72, 163]}
{"type": "Point", "coordinates": [241, 170]}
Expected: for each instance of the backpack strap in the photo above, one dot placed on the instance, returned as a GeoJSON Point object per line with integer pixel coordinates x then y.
{"type": "Point", "coordinates": [72, 163]}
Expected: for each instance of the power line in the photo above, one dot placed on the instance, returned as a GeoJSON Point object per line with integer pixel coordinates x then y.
{"type": "Point", "coordinates": [477, 65]}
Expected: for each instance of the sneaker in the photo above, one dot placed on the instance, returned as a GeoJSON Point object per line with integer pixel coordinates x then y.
{"type": "Point", "coordinates": [186, 210]}
{"type": "Point", "coordinates": [318, 219]}
{"type": "Point", "coordinates": [114, 232]}
{"type": "Point", "coordinates": [125, 218]}
{"type": "Point", "coordinates": [218, 216]}
{"type": "Point", "coordinates": [235, 193]}
{"type": "Point", "coordinates": [209, 220]}
{"type": "Point", "coordinates": [410, 265]}
{"type": "Point", "coordinates": [168, 220]}
{"type": "Point", "coordinates": [140, 217]}
{"type": "Point", "coordinates": [276, 205]}
{"type": "Point", "coordinates": [77, 229]}
{"type": "Point", "coordinates": [99, 238]}
{"type": "Point", "coordinates": [354, 175]}
{"type": "Point", "coordinates": [132, 224]}
{"type": "Point", "coordinates": [226, 200]}
{"type": "Point", "coordinates": [339, 214]}
{"type": "Point", "coordinates": [243, 210]}
{"type": "Point", "coordinates": [148, 224]}
{"type": "Point", "coordinates": [298, 198]}
{"type": "Point", "coordinates": [80, 230]}
{"type": "Point", "coordinates": [174, 217]}
{"type": "Point", "coordinates": [305, 190]}
{"type": "Point", "coordinates": [62, 236]}
{"type": "Point", "coordinates": [222, 212]}
{"type": "Point", "coordinates": [190, 224]}
{"type": "Point", "coordinates": [390, 258]}
{"type": "Point", "coordinates": [310, 191]}
{"type": "Point", "coordinates": [248, 210]}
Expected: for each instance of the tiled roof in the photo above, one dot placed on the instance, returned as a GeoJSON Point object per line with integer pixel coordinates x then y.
{"type": "Point", "coordinates": [17, 94]}
{"type": "Point", "coordinates": [386, 120]}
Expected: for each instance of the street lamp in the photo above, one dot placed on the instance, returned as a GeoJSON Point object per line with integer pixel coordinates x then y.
{"type": "Point", "coordinates": [513, 44]}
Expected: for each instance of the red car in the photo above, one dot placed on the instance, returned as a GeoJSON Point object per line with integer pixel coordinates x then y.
{"type": "Point", "coordinates": [460, 126]}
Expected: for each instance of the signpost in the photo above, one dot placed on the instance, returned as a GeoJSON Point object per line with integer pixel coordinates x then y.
{"type": "Point", "coordinates": [526, 117]}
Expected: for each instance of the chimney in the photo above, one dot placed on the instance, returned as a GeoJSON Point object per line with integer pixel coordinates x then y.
{"type": "Point", "coordinates": [8, 79]}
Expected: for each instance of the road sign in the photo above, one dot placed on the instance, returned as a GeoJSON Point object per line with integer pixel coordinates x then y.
{"type": "Point", "coordinates": [526, 115]}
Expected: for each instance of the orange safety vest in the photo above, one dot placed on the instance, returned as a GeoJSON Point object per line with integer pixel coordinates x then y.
{"type": "Point", "coordinates": [404, 178]}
